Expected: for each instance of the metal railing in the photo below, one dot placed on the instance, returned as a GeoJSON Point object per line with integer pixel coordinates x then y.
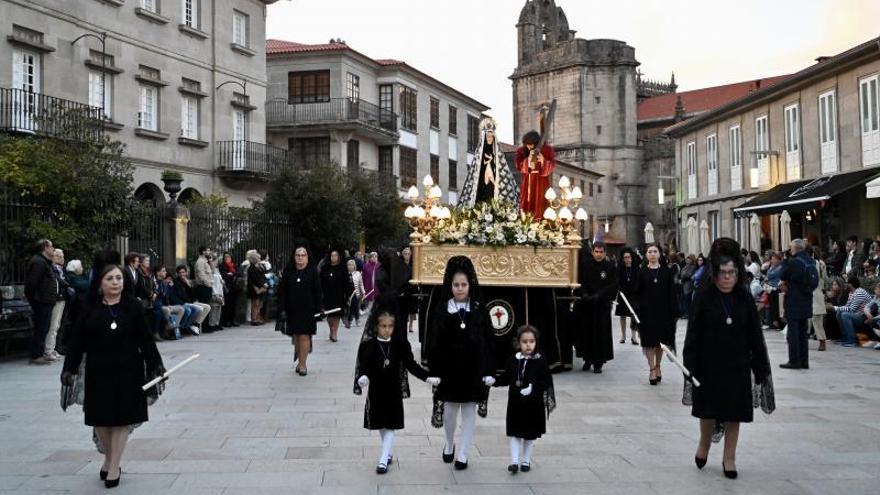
{"type": "Point", "coordinates": [236, 230]}
{"type": "Point", "coordinates": [281, 112]}
{"type": "Point", "coordinates": [39, 114]}
{"type": "Point", "coordinates": [255, 158]}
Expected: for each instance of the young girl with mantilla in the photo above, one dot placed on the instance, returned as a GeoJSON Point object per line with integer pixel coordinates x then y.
{"type": "Point", "coordinates": [530, 398]}
{"type": "Point", "coordinates": [381, 365]}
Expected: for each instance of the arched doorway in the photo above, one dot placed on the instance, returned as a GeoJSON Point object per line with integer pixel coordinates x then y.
{"type": "Point", "coordinates": [187, 195]}
{"type": "Point", "coordinates": [150, 193]}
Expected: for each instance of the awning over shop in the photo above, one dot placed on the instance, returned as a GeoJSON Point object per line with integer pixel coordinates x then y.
{"type": "Point", "coordinates": [805, 194]}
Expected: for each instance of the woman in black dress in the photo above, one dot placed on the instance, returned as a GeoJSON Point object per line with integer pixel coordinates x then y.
{"type": "Point", "coordinates": [121, 351]}
{"type": "Point", "coordinates": [724, 347]}
{"type": "Point", "coordinates": [409, 304]}
{"type": "Point", "coordinates": [301, 297]}
{"type": "Point", "coordinates": [334, 281]}
{"type": "Point", "coordinates": [256, 286]}
{"type": "Point", "coordinates": [657, 308]}
{"type": "Point", "coordinates": [382, 363]}
{"type": "Point", "coordinates": [461, 353]}
{"type": "Point", "coordinates": [627, 270]}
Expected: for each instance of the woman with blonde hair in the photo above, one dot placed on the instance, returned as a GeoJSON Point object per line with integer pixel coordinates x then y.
{"type": "Point", "coordinates": [256, 285]}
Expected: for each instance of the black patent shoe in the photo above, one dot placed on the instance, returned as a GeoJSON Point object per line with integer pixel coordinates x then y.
{"type": "Point", "coordinates": [513, 468]}
{"type": "Point", "coordinates": [728, 474]}
{"type": "Point", "coordinates": [447, 458]}
{"type": "Point", "coordinates": [113, 483]}
{"type": "Point", "coordinates": [102, 474]}
{"type": "Point", "coordinates": [460, 466]}
{"type": "Point", "coordinates": [700, 462]}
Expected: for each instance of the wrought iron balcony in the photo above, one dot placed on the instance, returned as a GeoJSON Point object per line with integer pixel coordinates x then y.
{"type": "Point", "coordinates": [334, 112]}
{"type": "Point", "coordinates": [249, 159]}
{"type": "Point", "coordinates": [34, 113]}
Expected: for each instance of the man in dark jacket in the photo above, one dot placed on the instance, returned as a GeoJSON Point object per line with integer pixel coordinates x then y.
{"type": "Point", "coordinates": [798, 304]}
{"type": "Point", "coordinates": [42, 290]}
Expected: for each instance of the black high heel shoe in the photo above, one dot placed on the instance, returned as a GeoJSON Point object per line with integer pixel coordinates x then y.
{"type": "Point", "coordinates": [102, 474]}
{"type": "Point", "coordinates": [728, 474]}
{"type": "Point", "coordinates": [447, 458]}
{"type": "Point", "coordinates": [113, 483]}
{"type": "Point", "coordinates": [700, 462]}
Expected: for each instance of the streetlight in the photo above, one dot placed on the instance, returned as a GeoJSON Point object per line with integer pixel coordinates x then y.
{"type": "Point", "coordinates": [102, 38]}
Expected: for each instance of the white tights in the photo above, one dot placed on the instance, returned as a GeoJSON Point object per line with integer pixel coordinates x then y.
{"type": "Point", "coordinates": [468, 425]}
{"type": "Point", "coordinates": [518, 445]}
{"type": "Point", "coordinates": [387, 446]}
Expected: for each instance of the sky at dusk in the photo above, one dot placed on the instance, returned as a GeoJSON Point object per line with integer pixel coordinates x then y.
{"type": "Point", "coordinates": [471, 44]}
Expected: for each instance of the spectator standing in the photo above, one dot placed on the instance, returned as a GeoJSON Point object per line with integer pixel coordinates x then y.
{"type": "Point", "coordinates": [230, 303]}
{"type": "Point", "coordinates": [57, 317]}
{"type": "Point", "coordinates": [218, 290]}
{"type": "Point", "coordinates": [854, 258]}
{"type": "Point", "coordinates": [256, 286]}
{"type": "Point", "coordinates": [774, 272]}
{"type": "Point", "coordinates": [818, 319]}
{"type": "Point", "coordinates": [801, 275]}
{"type": "Point", "coordinates": [42, 289]}
{"type": "Point", "coordinates": [836, 259]}
{"type": "Point", "coordinates": [204, 277]}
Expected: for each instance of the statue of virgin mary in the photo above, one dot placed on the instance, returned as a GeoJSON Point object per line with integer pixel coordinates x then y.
{"type": "Point", "coordinates": [488, 175]}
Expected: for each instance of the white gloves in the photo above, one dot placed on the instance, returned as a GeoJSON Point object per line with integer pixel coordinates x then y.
{"type": "Point", "coordinates": [433, 381]}
{"type": "Point", "coordinates": [363, 381]}
{"type": "Point", "coordinates": [488, 381]}
{"type": "Point", "coordinates": [526, 391]}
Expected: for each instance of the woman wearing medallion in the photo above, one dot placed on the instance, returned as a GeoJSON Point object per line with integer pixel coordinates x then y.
{"type": "Point", "coordinates": [657, 308]}
{"type": "Point", "coordinates": [121, 351]}
{"type": "Point", "coordinates": [627, 270]}
{"type": "Point", "coordinates": [723, 348]}
{"type": "Point", "coordinates": [301, 298]}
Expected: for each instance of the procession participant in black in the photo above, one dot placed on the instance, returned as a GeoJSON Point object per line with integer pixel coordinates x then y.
{"type": "Point", "coordinates": [113, 332]}
{"type": "Point", "coordinates": [723, 348]}
{"type": "Point", "coordinates": [598, 279]}
{"type": "Point", "coordinates": [655, 297]}
{"type": "Point", "coordinates": [530, 398]}
{"type": "Point", "coordinates": [627, 269]}
{"type": "Point", "coordinates": [301, 297]}
{"type": "Point", "coordinates": [462, 355]}
{"type": "Point", "coordinates": [334, 281]}
{"type": "Point", "coordinates": [381, 364]}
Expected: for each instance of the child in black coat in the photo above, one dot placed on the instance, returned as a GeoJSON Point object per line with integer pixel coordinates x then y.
{"type": "Point", "coordinates": [530, 398]}
{"type": "Point", "coordinates": [382, 364]}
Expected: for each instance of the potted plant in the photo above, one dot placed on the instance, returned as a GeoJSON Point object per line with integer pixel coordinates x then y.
{"type": "Point", "coordinates": [172, 180]}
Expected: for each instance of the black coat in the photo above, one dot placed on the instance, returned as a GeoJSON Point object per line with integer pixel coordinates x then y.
{"type": "Point", "coordinates": [301, 297]}
{"type": "Point", "coordinates": [116, 363]}
{"type": "Point", "coordinates": [334, 283]}
{"type": "Point", "coordinates": [598, 289]}
{"type": "Point", "coordinates": [256, 278]}
{"type": "Point", "coordinates": [384, 407]}
{"type": "Point", "coordinates": [626, 278]}
{"type": "Point", "coordinates": [183, 293]}
{"type": "Point", "coordinates": [526, 416]}
{"type": "Point", "coordinates": [798, 300]}
{"type": "Point", "coordinates": [41, 284]}
{"type": "Point", "coordinates": [723, 357]}
{"type": "Point", "coordinates": [461, 357]}
{"type": "Point", "coordinates": [656, 304]}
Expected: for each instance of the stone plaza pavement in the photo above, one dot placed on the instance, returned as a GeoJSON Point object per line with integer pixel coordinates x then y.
{"type": "Point", "coordinates": [239, 421]}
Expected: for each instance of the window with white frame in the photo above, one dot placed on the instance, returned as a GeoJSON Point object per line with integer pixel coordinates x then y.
{"type": "Point", "coordinates": [714, 222]}
{"type": "Point", "coordinates": [150, 5]}
{"type": "Point", "coordinates": [353, 87]}
{"type": "Point", "coordinates": [712, 163]}
{"type": "Point", "coordinates": [734, 155]}
{"type": "Point", "coordinates": [239, 28]}
{"type": "Point", "coordinates": [100, 92]}
{"type": "Point", "coordinates": [828, 131]}
{"type": "Point", "coordinates": [762, 160]}
{"type": "Point", "coordinates": [191, 13]}
{"type": "Point", "coordinates": [148, 116]}
{"type": "Point", "coordinates": [189, 117]}
{"type": "Point", "coordinates": [869, 108]}
{"type": "Point", "coordinates": [792, 119]}
{"type": "Point", "coordinates": [691, 160]}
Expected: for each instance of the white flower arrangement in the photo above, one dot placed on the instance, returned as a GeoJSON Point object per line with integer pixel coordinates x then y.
{"type": "Point", "coordinates": [495, 223]}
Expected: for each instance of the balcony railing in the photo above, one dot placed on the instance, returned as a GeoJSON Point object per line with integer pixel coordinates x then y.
{"type": "Point", "coordinates": [246, 157]}
{"type": "Point", "coordinates": [336, 110]}
{"type": "Point", "coordinates": [35, 113]}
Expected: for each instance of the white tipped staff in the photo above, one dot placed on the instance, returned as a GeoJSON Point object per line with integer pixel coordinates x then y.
{"type": "Point", "coordinates": [334, 310]}
{"type": "Point", "coordinates": [164, 377]}
{"type": "Point", "coordinates": [672, 357]}
{"type": "Point", "coordinates": [631, 310]}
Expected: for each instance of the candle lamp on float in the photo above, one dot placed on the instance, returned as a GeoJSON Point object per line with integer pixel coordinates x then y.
{"type": "Point", "coordinates": [564, 209]}
{"type": "Point", "coordinates": [424, 214]}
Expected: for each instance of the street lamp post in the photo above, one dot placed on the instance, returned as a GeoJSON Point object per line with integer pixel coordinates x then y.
{"type": "Point", "coordinates": [102, 38]}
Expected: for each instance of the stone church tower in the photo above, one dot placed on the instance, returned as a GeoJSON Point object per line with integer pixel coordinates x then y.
{"type": "Point", "coordinates": [595, 85]}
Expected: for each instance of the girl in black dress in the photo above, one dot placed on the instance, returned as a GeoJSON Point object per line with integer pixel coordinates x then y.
{"type": "Point", "coordinates": [658, 307]}
{"type": "Point", "coordinates": [627, 270]}
{"type": "Point", "coordinates": [724, 347]}
{"type": "Point", "coordinates": [334, 281]}
{"type": "Point", "coordinates": [530, 398]}
{"type": "Point", "coordinates": [121, 351]}
{"type": "Point", "coordinates": [301, 298]}
{"type": "Point", "coordinates": [461, 354]}
{"type": "Point", "coordinates": [381, 365]}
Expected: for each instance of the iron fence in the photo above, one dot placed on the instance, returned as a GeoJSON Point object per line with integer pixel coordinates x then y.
{"type": "Point", "coordinates": [35, 113]}
{"type": "Point", "coordinates": [280, 112]}
{"type": "Point", "coordinates": [237, 230]}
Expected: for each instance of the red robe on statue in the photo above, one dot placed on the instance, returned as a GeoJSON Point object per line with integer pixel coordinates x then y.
{"type": "Point", "coordinates": [536, 181]}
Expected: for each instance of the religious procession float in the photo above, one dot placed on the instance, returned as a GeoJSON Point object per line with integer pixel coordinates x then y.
{"type": "Point", "coordinates": [522, 237]}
